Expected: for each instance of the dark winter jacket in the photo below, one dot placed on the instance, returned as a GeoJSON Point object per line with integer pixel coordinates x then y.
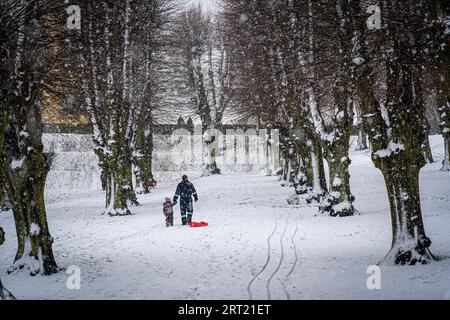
{"type": "Point", "coordinates": [185, 190]}
{"type": "Point", "coordinates": [168, 208]}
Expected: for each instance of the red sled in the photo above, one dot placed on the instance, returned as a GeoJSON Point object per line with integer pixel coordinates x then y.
{"type": "Point", "coordinates": [198, 224]}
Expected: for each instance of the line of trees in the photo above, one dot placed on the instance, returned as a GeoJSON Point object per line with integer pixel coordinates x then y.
{"type": "Point", "coordinates": [307, 67]}
{"type": "Point", "coordinates": [108, 67]}
{"type": "Point", "coordinates": [303, 67]}
{"type": "Point", "coordinates": [117, 45]}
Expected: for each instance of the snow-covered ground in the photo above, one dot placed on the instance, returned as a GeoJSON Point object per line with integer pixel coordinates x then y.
{"type": "Point", "coordinates": [256, 244]}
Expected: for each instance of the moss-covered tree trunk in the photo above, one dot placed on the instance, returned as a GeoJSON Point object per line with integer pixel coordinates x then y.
{"type": "Point", "coordinates": [426, 148]}
{"type": "Point", "coordinates": [396, 129]}
{"type": "Point", "coordinates": [361, 143]}
{"type": "Point", "coordinates": [446, 161]}
{"type": "Point", "coordinates": [25, 167]}
{"type": "Point", "coordinates": [142, 159]}
{"type": "Point", "coordinates": [210, 143]}
{"type": "Point", "coordinates": [289, 167]}
{"type": "Point", "coordinates": [4, 201]}
{"type": "Point", "coordinates": [399, 156]}
{"type": "Point", "coordinates": [303, 182]}
{"type": "Point", "coordinates": [317, 169]}
{"type": "Point", "coordinates": [444, 114]}
{"type": "Point", "coordinates": [208, 126]}
{"type": "Point", "coordinates": [120, 195]}
{"type": "Point", "coordinates": [287, 156]}
{"type": "Point", "coordinates": [339, 200]}
{"type": "Point", "coordinates": [410, 243]}
{"type": "Point", "coordinates": [302, 177]}
{"type": "Point", "coordinates": [439, 12]}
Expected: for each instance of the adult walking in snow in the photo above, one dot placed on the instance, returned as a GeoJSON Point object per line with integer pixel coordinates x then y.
{"type": "Point", "coordinates": [185, 190]}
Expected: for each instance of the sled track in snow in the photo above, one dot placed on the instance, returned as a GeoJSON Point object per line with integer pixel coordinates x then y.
{"type": "Point", "coordinates": [294, 265]}
{"type": "Point", "coordinates": [281, 259]}
{"type": "Point", "coordinates": [249, 289]}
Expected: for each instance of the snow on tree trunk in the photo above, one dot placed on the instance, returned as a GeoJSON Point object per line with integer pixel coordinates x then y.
{"type": "Point", "coordinates": [290, 167]}
{"type": "Point", "coordinates": [4, 201]}
{"type": "Point", "coordinates": [338, 202]}
{"type": "Point", "coordinates": [287, 151]}
{"type": "Point", "coordinates": [445, 129]}
{"type": "Point", "coordinates": [426, 150]}
{"type": "Point", "coordinates": [303, 181]}
{"type": "Point", "coordinates": [25, 168]}
{"type": "Point", "coordinates": [112, 101]}
{"type": "Point", "coordinates": [120, 193]}
{"type": "Point", "coordinates": [211, 142]}
{"type": "Point", "coordinates": [361, 143]}
{"type": "Point", "coordinates": [211, 161]}
{"type": "Point", "coordinates": [438, 32]}
{"type": "Point", "coordinates": [410, 243]}
{"type": "Point", "coordinates": [446, 161]}
{"type": "Point", "coordinates": [143, 161]}
{"type": "Point", "coordinates": [396, 132]}
{"type": "Point", "coordinates": [319, 189]}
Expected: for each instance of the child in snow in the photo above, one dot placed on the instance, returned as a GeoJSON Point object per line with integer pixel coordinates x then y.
{"type": "Point", "coordinates": [168, 212]}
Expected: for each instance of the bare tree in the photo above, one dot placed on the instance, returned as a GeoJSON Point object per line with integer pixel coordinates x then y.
{"type": "Point", "coordinates": [32, 58]}
{"type": "Point", "coordinates": [206, 72]}
{"type": "Point", "coordinates": [396, 127]}
{"type": "Point", "coordinates": [117, 55]}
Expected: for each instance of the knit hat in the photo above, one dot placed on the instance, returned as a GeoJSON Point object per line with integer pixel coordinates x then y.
{"type": "Point", "coordinates": [168, 199]}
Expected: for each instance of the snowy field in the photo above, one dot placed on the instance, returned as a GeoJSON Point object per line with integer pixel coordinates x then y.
{"type": "Point", "coordinates": [257, 246]}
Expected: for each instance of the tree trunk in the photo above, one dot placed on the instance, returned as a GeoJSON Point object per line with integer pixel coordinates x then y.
{"type": "Point", "coordinates": [446, 161]}
{"type": "Point", "coordinates": [5, 294]}
{"type": "Point", "coordinates": [119, 191]}
{"type": "Point", "coordinates": [339, 202]}
{"type": "Point", "coordinates": [317, 170]}
{"type": "Point", "coordinates": [303, 182]}
{"type": "Point", "coordinates": [143, 161]}
{"type": "Point", "coordinates": [4, 201]}
{"type": "Point", "coordinates": [103, 178]}
{"type": "Point", "coordinates": [396, 142]}
{"type": "Point", "coordinates": [288, 173]}
{"type": "Point", "coordinates": [426, 150]}
{"type": "Point", "coordinates": [211, 165]}
{"type": "Point", "coordinates": [25, 170]}
{"type": "Point", "coordinates": [361, 143]}
{"type": "Point", "coordinates": [410, 244]}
